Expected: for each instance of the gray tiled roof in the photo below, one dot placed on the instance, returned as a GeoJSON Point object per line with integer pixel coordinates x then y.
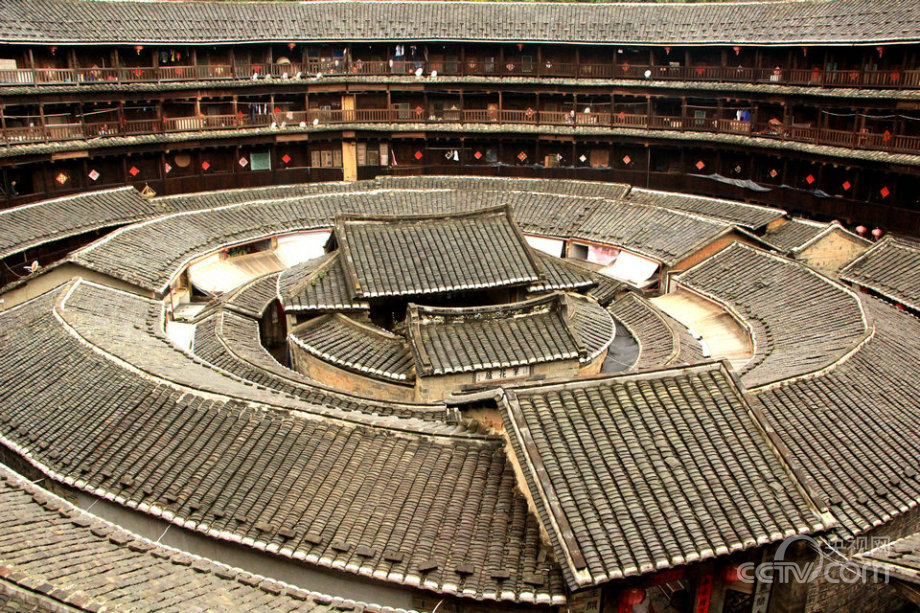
{"type": "Point", "coordinates": [33, 224]}
{"type": "Point", "coordinates": [228, 357]}
{"type": "Point", "coordinates": [78, 560]}
{"type": "Point", "coordinates": [448, 340]}
{"type": "Point", "coordinates": [433, 254]}
{"type": "Point", "coordinates": [231, 343]}
{"type": "Point", "coordinates": [252, 298]}
{"type": "Point", "coordinates": [741, 214]}
{"type": "Point", "coordinates": [800, 321]}
{"type": "Point", "coordinates": [793, 234]}
{"type": "Point", "coordinates": [639, 473]}
{"type": "Point", "coordinates": [406, 505]}
{"type": "Point", "coordinates": [318, 287]}
{"type": "Point", "coordinates": [854, 429]}
{"type": "Point", "coordinates": [899, 559]}
{"type": "Point", "coordinates": [150, 254]}
{"type": "Point", "coordinates": [361, 347]}
{"type": "Point", "coordinates": [593, 327]}
{"type": "Point", "coordinates": [843, 21]}
{"type": "Point", "coordinates": [658, 233]}
{"type": "Point", "coordinates": [559, 274]}
{"type": "Point", "coordinates": [891, 268]}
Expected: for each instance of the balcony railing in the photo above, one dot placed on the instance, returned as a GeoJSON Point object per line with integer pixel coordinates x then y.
{"type": "Point", "coordinates": [863, 140]}
{"type": "Point", "coordinates": [888, 79]}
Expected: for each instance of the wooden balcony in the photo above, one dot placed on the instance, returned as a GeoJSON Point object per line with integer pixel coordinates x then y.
{"type": "Point", "coordinates": [863, 140]}
{"type": "Point", "coordinates": [863, 79]}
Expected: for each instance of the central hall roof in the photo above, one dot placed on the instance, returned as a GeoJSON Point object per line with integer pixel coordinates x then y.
{"type": "Point", "coordinates": [390, 255]}
{"type": "Point", "coordinates": [93, 22]}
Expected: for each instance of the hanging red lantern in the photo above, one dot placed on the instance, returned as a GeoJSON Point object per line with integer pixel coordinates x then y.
{"type": "Point", "coordinates": [667, 51]}
{"type": "Point", "coordinates": [737, 50]}
{"type": "Point", "coordinates": [861, 230]}
{"type": "Point", "coordinates": [730, 574]}
{"type": "Point", "coordinates": [877, 233]}
{"type": "Point", "coordinates": [52, 48]}
{"type": "Point", "coordinates": [291, 46]}
{"type": "Point", "coordinates": [880, 50]}
{"type": "Point", "coordinates": [632, 596]}
{"type": "Point", "coordinates": [138, 48]}
{"type": "Point", "coordinates": [804, 51]}
{"type": "Point", "coordinates": [520, 46]}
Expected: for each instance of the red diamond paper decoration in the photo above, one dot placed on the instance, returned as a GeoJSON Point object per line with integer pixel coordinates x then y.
{"type": "Point", "coordinates": [700, 71]}
{"type": "Point", "coordinates": [625, 66]}
{"type": "Point", "coordinates": [810, 179]}
{"type": "Point", "coordinates": [627, 160]}
{"type": "Point", "coordinates": [134, 170]}
{"type": "Point", "coordinates": [621, 115]}
{"type": "Point", "coordinates": [886, 136]}
{"type": "Point", "coordinates": [478, 155]}
{"type": "Point", "coordinates": [418, 110]}
{"type": "Point", "coordinates": [167, 167]}
{"type": "Point", "coordinates": [884, 192]}
{"type": "Point", "coordinates": [178, 70]}
{"type": "Point", "coordinates": [418, 155]}
{"type": "Point", "coordinates": [700, 165]}
{"type": "Point", "coordinates": [846, 186]}
{"type": "Point", "coordinates": [243, 162]}
{"type": "Point", "coordinates": [773, 173]}
{"type": "Point", "coordinates": [522, 156]}
{"type": "Point", "coordinates": [854, 76]}
{"type": "Point", "coordinates": [285, 158]}
{"type": "Point", "coordinates": [94, 174]}
{"type": "Point", "coordinates": [62, 178]}
{"type": "Point", "coordinates": [895, 77]}
{"type": "Point", "coordinates": [138, 72]}
{"type": "Point", "coordinates": [205, 165]}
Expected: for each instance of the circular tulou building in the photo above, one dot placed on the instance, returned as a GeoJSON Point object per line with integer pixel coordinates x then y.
{"type": "Point", "coordinates": [398, 307]}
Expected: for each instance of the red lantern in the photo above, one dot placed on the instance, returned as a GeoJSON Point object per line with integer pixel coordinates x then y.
{"type": "Point", "coordinates": [520, 46]}
{"type": "Point", "coordinates": [861, 230]}
{"type": "Point", "coordinates": [730, 574]}
{"type": "Point", "coordinates": [138, 48]}
{"type": "Point", "coordinates": [880, 50]}
{"type": "Point", "coordinates": [804, 51]}
{"type": "Point", "coordinates": [632, 596]}
{"type": "Point", "coordinates": [291, 46]}
{"type": "Point", "coordinates": [737, 50]}
{"type": "Point", "coordinates": [877, 233]}
{"type": "Point", "coordinates": [667, 51]}
{"type": "Point", "coordinates": [52, 48]}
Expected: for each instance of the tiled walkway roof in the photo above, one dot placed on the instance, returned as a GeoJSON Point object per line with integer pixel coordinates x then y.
{"type": "Point", "coordinates": [639, 473]}
{"type": "Point", "coordinates": [741, 214]}
{"type": "Point", "coordinates": [854, 429]}
{"type": "Point", "coordinates": [326, 491]}
{"type": "Point", "coordinates": [49, 220]}
{"type": "Point", "coordinates": [77, 560]}
{"type": "Point", "coordinates": [843, 21]}
{"type": "Point", "coordinates": [800, 321]}
{"type": "Point", "coordinates": [356, 346]}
